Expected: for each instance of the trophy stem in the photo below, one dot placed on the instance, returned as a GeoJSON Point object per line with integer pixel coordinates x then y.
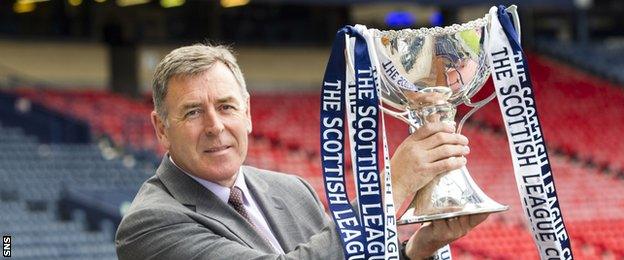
{"type": "Point", "coordinates": [449, 194]}
{"type": "Point", "coordinates": [431, 105]}
{"type": "Point", "coordinates": [415, 121]}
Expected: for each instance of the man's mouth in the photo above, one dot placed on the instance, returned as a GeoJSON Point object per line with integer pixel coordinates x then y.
{"type": "Point", "coordinates": [217, 149]}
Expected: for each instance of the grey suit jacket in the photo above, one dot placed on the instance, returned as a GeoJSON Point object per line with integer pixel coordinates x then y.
{"type": "Point", "coordinates": [174, 217]}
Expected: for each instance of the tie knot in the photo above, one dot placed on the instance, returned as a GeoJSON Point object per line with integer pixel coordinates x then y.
{"type": "Point", "coordinates": [236, 197]}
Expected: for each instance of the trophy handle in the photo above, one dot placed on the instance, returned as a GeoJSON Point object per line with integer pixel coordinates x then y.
{"type": "Point", "coordinates": [403, 116]}
{"type": "Point", "coordinates": [474, 107]}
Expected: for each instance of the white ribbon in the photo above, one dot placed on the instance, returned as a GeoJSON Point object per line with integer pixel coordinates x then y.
{"type": "Point", "coordinates": [528, 150]}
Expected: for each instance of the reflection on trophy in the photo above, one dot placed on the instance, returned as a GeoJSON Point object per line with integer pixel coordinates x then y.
{"type": "Point", "coordinates": [424, 75]}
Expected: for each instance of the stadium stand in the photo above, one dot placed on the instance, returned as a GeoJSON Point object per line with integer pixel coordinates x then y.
{"type": "Point", "coordinates": [32, 176]}
{"type": "Point", "coordinates": [38, 235]}
{"type": "Point", "coordinates": [285, 138]}
{"type": "Point", "coordinates": [602, 58]}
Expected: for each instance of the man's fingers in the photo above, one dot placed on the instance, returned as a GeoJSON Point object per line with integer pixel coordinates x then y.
{"type": "Point", "coordinates": [437, 233]}
{"type": "Point", "coordinates": [464, 222]}
{"type": "Point", "coordinates": [442, 138]}
{"type": "Point", "coordinates": [447, 165]}
{"type": "Point", "coordinates": [440, 227]}
{"type": "Point", "coordinates": [455, 228]}
{"type": "Point", "coordinates": [477, 219]}
{"type": "Point", "coordinates": [446, 230]}
{"type": "Point", "coordinates": [446, 151]}
{"type": "Point", "coordinates": [430, 129]}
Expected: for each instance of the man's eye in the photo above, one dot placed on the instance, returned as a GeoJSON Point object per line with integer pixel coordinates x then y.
{"type": "Point", "coordinates": [228, 107]}
{"type": "Point", "coordinates": [192, 113]}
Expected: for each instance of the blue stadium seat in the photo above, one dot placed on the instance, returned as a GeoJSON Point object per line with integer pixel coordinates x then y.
{"type": "Point", "coordinates": [33, 176]}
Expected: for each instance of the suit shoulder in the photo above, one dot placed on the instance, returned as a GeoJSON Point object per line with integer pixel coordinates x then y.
{"type": "Point", "coordinates": [275, 177]}
{"type": "Point", "coordinates": [154, 196]}
{"type": "Point", "coordinates": [283, 183]}
{"type": "Point", "coordinates": [152, 207]}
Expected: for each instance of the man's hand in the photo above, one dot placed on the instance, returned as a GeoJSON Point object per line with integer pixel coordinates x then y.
{"type": "Point", "coordinates": [433, 149]}
{"type": "Point", "coordinates": [433, 235]}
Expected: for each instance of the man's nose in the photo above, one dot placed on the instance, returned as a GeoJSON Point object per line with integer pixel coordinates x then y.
{"type": "Point", "coordinates": [213, 123]}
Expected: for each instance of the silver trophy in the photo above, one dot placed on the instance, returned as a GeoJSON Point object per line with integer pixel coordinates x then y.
{"type": "Point", "coordinates": [424, 75]}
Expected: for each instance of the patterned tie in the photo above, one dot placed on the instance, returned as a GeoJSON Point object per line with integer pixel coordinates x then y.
{"type": "Point", "coordinates": [236, 201]}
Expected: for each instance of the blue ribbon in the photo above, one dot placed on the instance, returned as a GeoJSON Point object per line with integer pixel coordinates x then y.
{"type": "Point", "coordinates": [367, 107]}
{"type": "Point", "coordinates": [362, 237]}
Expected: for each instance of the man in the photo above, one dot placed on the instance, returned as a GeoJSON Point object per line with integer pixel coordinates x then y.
{"type": "Point", "coordinates": [203, 204]}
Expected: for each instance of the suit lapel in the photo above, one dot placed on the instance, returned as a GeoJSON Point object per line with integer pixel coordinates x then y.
{"type": "Point", "coordinates": [190, 193]}
{"type": "Point", "coordinates": [275, 210]}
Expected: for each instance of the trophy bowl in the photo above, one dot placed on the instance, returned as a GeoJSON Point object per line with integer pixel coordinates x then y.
{"type": "Point", "coordinates": [424, 75]}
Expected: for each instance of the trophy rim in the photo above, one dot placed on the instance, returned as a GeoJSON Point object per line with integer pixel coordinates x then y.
{"type": "Point", "coordinates": [434, 31]}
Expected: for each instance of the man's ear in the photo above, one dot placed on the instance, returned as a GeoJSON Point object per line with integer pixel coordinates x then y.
{"type": "Point", "coordinates": [248, 114]}
{"type": "Point", "coordinates": [159, 127]}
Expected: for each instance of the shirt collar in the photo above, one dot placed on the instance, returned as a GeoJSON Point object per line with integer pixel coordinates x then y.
{"type": "Point", "coordinates": [223, 193]}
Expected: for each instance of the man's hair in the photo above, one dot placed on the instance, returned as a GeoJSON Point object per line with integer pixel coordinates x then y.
{"type": "Point", "coordinates": [189, 61]}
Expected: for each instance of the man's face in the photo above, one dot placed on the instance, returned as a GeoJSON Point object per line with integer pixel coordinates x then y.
{"type": "Point", "coordinates": [208, 124]}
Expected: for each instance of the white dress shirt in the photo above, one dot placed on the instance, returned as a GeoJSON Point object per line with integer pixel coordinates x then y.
{"type": "Point", "coordinates": [254, 212]}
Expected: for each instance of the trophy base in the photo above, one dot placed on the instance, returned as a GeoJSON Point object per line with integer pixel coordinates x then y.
{"type": "Point", "coordinates": [426, 218]}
